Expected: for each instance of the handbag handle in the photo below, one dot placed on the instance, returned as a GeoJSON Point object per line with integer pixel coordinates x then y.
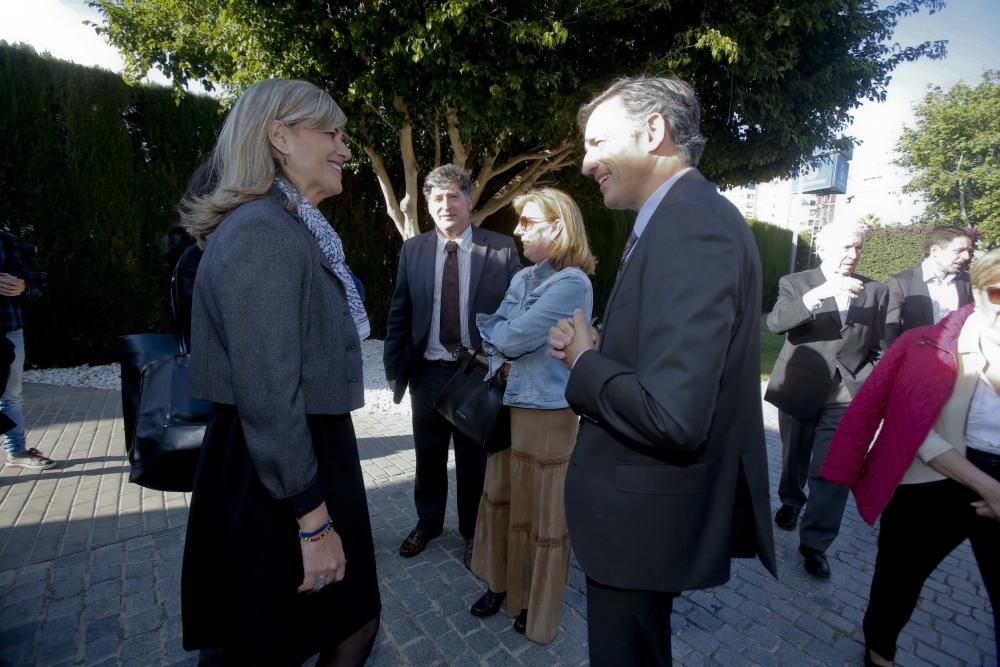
{"type": "Point", "coordinates": [180, 316]}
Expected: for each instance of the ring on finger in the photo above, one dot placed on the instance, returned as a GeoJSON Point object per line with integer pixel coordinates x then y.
{"type": "Point", "coordinates": [320, 583]}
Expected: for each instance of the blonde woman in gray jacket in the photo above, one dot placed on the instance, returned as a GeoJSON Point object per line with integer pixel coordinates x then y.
{"type": "Point", "coordinates": [278, 563]}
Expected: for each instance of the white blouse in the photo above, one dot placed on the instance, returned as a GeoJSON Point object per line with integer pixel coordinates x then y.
{"type": "Point", "coordinates": [982, 426]}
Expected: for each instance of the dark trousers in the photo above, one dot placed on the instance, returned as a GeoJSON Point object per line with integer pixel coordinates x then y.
{"type": "Point", "coordinates": [431, 436]}
{"type": "Point", "coordinates": [804, 447]}
{"type": "Point", "coordinates": [628, 627]}
{"type": "Point", "coordinates": [920, 526]}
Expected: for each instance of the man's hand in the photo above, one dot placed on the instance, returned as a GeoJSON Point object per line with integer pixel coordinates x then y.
{"type": "Point", "coordinates": [570, 338]}
{"type": "Point", "coordinates": [11, 286]}
{"type": "Point", "coordinates": [836, 286]}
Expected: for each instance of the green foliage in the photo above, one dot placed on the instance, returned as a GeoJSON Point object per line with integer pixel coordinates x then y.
{"type": "Point", "coordinates": [954, 150]}
{"type": "Point", "coordinates": [774, 244]}
{"type": "Point", "coordinates": [889, 250]}
{"type": "Point", "coordinates": [90, 172]}
{"type": "Point", "coordinates": [770, 347]}
{"type": "Point", "coordinates": [775, 80]}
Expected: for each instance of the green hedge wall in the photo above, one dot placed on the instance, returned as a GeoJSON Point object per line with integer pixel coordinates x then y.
{"type": "Point", "coordinates": [774, 244]}
{"type": "Point", "coordinates": [90, 172]}
{"type": "Point", "coordinates": [889, 250]}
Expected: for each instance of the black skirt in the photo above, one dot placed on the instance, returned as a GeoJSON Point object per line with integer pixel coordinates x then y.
{"type": "Point", "coordinates": [243, 562]}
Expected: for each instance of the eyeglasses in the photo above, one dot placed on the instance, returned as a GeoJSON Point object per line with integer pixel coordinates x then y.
{"type": "Point", "coordinates": [527, 223]}
{"type": "Point", "coordinates": [993, 294]}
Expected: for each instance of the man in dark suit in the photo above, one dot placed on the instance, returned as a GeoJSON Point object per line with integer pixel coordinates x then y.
{"type": "Point", "coordinates": [924, 294]}
{"type": "Point", "coordinates": [668, 480]}
{"type": "Point", "coordinates": [445, 277]}
{"type": "Point", "coordinates": [833, 322]}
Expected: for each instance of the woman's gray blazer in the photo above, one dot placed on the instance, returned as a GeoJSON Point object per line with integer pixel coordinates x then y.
{"type": "Point", "coordinates": [272, 334]}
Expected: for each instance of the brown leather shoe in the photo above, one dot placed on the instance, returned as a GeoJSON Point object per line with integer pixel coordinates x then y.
{"type": "Point", "coordinates": [467, 556]}
{"type": "Point", "coordinates": [416, 542]}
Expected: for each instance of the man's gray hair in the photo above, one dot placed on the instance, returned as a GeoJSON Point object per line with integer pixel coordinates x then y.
{"type": "Point", "coordinates": [668, 96]}
{"type": "Point", "coordinates": [839, 230]}
{"type": "Point", "coordinates": [447, 175]}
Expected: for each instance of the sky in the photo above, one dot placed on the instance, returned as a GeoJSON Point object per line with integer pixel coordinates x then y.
{"type": "Point", "coordinates": [874, 184]}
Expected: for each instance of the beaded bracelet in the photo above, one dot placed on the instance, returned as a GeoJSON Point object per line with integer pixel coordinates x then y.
{"type": "Point", "coordinates": [319, 533]}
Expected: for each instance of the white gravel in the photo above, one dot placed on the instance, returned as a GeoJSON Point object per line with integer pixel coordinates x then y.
{"type": "Point", "coordinates": [378, 398]}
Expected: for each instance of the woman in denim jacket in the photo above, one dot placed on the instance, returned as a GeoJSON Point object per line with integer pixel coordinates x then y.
{"type": "Point", "coordinates": [522, 544]}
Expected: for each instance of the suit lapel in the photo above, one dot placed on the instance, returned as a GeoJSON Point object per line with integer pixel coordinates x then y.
{"type": "Point", "coordinates": [425, 262]}
{"type": "Point", "coordinates": [479, 249]}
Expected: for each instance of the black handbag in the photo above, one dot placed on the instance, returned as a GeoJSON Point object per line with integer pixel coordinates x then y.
{"type": "Point", "coordinates": [164, 426]}
{"type": "Point", "coordinates": [475, 406]}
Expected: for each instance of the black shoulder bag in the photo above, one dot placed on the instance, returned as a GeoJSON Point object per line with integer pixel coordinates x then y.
{"type": "Point", "coordinates": [164, 426]}
{"type": "Point", "coordinates": [475, 406]}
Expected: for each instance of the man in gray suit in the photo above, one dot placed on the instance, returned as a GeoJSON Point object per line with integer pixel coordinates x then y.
{"type": "Point", "coordinates": [922, 295]}
{"type": "Point", "coordinates": [668, 480]}
{"type": "Point", "coordinates": [833, 321]}
{"type": "Point", "coordinates": [445, 277]}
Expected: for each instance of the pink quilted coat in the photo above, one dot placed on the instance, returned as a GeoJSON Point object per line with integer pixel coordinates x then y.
{"type": "Point", "coordinates": [905, 394]}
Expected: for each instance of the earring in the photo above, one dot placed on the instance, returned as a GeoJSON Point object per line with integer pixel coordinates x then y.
{"type": "Point", "coordinates": [284, 158]}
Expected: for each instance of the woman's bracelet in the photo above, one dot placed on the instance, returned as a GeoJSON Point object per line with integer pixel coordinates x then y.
{"type": "Point", "coordinates": [319, 533]}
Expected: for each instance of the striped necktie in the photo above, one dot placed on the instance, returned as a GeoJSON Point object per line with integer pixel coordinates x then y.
{"type": "Point", "coordinates": [628, 249]}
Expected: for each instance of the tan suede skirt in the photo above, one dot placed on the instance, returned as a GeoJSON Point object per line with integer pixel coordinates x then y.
{"type": "Point", "coordinates": [522, 544]}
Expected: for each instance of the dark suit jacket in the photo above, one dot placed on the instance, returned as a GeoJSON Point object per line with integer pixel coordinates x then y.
{"type": "Point", "coordinates": [668, 480]}
{"type": "Point", "coordinates": [494, 263]}
{"type": "Point", "coordinates": [818, 343]}
{"type": "Point", "coordinates": [910, 303]}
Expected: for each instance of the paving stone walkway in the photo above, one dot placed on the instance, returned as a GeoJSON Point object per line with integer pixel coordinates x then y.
{"type": "Point", "coordinates": [90, 572]}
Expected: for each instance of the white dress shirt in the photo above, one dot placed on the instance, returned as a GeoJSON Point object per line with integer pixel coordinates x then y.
{"type": "Point", "coordinates": [944, 293]}
{"type": "Point", "coordinates": [435, 350]}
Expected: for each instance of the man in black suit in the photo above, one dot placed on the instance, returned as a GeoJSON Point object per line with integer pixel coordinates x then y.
{"type": "Point", "coordinates": [445, 277]}
{"type": "Point", "coordinates": [668, 480]}
{"type": "Point", "coordinates": [924, 294]}
{"type": "Point", "coordinates": [833, 322]}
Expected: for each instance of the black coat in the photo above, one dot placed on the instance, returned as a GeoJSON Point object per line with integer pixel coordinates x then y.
{"type": "Point", "coordinates": [668, 480]}
{"type": "Point", "coordinates": [494, 263]}
{"type": "Point", "coordinates": [817, 343]}
{"type": "Point", "coordinates": [910, 303]}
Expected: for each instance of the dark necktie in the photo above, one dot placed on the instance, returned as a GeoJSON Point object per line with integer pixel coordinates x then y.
{"type": "Point", "coordinates": [451, 327]}
{"type": "Point", "coordinates": [628, 248]}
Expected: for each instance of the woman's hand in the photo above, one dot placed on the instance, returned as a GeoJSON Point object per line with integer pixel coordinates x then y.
{"type": "Point", "coordinates": [983, 508]}
{"type": "Point", "coordinates": [323, 562]}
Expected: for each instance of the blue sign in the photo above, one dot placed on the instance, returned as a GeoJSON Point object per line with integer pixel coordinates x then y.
{"type": "Point", "coordinates": [828, 177]}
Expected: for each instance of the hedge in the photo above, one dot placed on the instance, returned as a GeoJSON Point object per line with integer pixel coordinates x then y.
{"type": "Point", "coordinates": [90, 172]}
{"type": "Point", "coordinates": [889, 250]}
{"type": "Point", "coordinates": [774, 244]}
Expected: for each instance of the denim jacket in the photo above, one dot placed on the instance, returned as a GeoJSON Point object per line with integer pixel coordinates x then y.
{"type": "Point", "coordinates": [518, 332]}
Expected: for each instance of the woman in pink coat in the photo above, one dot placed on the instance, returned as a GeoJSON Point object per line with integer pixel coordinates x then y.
{"type": "Point", "coordinates": [933, 471]}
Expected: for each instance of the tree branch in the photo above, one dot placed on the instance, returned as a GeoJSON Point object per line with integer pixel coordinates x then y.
{"type": "Point", "coordinates": [388, 194]}
{"type": "Point", "coordinates": [524, 181]}
{"type": "Point", "coordinates": [409, 202]}
{"type": "Point", "coordinates": [459, 151]}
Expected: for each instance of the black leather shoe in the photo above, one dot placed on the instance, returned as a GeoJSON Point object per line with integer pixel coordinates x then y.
{"type": "Point", "coordinates": [521, 622]}
{"type": "Point", "coordinates": [488, 605]}
{"type": "Point", "coordinates": [816, 563]}
{"type": "Point", "coordinates": [416, 542]}
{"type": "Point", "coordinates": [786, 517]}
{"type": "Point", "coordinates": [467, 555]}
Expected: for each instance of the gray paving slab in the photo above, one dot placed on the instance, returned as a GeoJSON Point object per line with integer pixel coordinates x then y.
{"type": "Point", "coordinates": [90, 571]}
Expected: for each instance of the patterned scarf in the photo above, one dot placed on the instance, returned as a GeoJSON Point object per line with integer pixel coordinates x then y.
{"type": "Point", "coordinates": [332, 248]}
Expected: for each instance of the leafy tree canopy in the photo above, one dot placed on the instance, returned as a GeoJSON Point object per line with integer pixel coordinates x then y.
{"type": "Point", "coordinates": [495, 85]}
{"type": "Point", "coordinates": [954, 150]}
